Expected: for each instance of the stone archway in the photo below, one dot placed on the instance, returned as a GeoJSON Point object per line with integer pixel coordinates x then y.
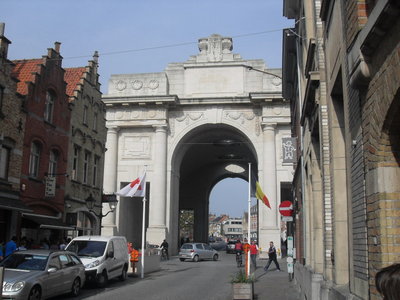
{"type": "Point", "coordinates": [203, 158]}
{"type": "Point", "coordinates": [169, 122]}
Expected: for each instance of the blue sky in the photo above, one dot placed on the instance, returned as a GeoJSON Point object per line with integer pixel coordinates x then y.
{"type": "Point", "coordinates": [135, 36]}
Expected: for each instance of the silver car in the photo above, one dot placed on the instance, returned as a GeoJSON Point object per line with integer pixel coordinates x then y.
{"type": "Point", "coordinates": [197, 251]}
{"type": "Point", "coordinates": [40, 274]}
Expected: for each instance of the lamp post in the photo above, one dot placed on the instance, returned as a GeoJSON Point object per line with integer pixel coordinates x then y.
{"type": "Point", "coordinates": [111, 199]}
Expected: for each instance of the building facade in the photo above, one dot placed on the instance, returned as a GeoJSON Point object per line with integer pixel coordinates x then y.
{"type": "Point", "coordinates": [45, 146]}
{"type": "Point", "coordinates": [343, 87]}
{"type": "Point", "coordinates": [12, 125]}
{"type": "Point", "coordinates": [86, 149]}
{"type": "Point", "coordinates": [233, 229]}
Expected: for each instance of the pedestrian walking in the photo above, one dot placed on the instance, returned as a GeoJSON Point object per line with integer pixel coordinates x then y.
{"type": "Point", "coordinates": [272, 257]}
{"type": "Point", "coordinates": [22, 246]}
{"type": "Point", "coordinates": [2, 247]}
{"type": "Point", "coordinates": [11, 246]}
{"type": "Point", "coordinates": [253, 253]}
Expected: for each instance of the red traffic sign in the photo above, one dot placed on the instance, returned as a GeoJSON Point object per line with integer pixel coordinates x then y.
{"type": "Point", "coordinates": [286, 208]}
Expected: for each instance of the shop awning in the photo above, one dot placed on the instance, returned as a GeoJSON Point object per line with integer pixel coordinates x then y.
{"type": "Point", "coordinates": [13, 204]}
{"type": "Point", "coordinates": [47, 222]}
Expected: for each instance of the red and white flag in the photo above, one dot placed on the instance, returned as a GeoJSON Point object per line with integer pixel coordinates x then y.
{"type": "Point", "coordinates": [137, 188]}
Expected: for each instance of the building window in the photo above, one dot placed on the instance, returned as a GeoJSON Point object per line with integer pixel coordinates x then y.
{"type": "Point", "coordinates": [95, 165]}
{"type": "Point", "coordinates": [1, 97]}
{"type": "Point", "coordinates": [75, 164]}
{"type": "Point", "coordinates": [34, 160]}
{"type": "Point", "coordinates": [49, 106]}
{"type": "Point", "coordinates": [4, 162]}
{"type": "Point", "coordinates": [95, 122]}
{"type": "Point", "coordinates": [53, 162]}
{"type": "Point", "coordinates": [86, 167]}
{"type": "Point", "coordinates": [85, 114]}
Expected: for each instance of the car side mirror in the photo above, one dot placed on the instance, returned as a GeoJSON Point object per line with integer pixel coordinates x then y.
{"type": "Point", "coordinates": [110, 254]}
{"type": "Point", "coordinates": [52, 270]}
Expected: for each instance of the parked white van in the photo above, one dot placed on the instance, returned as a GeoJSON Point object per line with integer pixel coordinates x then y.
{"type": "Point", "coordinates": [104, 257]}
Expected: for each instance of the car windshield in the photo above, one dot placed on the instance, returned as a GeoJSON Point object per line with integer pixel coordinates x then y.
{"type": "Point", "coordinates": [87, 248]}
{"type": "Point", "coordinates": [187, 246]}
{"type": "Point", "coordinates": [25, 262]}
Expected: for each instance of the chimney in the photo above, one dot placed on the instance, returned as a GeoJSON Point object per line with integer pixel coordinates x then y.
{"type": "Point", "coordinates": [57, 47]}
{"type": "Point", "coordinates": [4, 42]}
{"type": "Point", "coordinates": [96, 57]}
{"type": "Point", "coordinates": [2, 26]}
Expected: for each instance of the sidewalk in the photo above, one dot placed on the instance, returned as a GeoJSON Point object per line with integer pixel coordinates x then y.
{"type": "Point", "coordinates": [274, 285]}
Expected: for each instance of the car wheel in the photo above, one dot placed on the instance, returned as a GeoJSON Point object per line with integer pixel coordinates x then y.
{"type": "Point", "coordinates": [196, 258]}
{"type": "Point", "coordinates": [215, 257]}
{"type": "Point", "coordinates": [181, 259]}
{"type": "Point", "coordinates": [124, 273]}
{"type": "Point", "coordinates": [102, 279]}
{"type": "Point", "coordinates": [35, 293]}
{"type": "Point", "coordinates": [76, 287]}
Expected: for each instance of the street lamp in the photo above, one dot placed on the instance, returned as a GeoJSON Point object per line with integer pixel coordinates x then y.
{"type": "Point", "coordinates": [110, 199]}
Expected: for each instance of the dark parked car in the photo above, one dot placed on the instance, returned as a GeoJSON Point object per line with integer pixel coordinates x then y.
{"type": "Point", "coordinates": [230, 247]}
{"type": "Point", "coordinates": [40, 274]}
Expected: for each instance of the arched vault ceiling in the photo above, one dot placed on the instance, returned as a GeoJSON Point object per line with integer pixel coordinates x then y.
{"type": "Point", "coordinates": [213, 147]}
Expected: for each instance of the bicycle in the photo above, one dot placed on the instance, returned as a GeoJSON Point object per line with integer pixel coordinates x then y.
{"type": "Point", "coordinates": [239, 258]}
{"type": "Point", "coordinates": [164, 254]}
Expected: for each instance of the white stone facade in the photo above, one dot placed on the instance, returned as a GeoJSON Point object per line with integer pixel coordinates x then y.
{"type": "Point", "coordinates": [152, 119]}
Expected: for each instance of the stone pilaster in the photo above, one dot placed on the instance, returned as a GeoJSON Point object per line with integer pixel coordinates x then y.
{"type": "Point", "coordinates": [269, 229]}
{"type": "Point", "coordinates": [157, 225]}
{"type": "Point", "coordinates": [110, 179]}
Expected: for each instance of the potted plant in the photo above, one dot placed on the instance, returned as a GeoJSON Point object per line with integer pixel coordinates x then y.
{"type": "Point", "coordinates": [243, 286]}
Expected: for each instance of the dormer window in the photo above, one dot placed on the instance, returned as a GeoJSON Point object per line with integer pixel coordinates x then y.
{"type": "Point", "coordinates": [49, 106]}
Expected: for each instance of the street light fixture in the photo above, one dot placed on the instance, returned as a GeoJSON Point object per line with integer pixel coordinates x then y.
{"type": "Point", "coordinates": [110, 199]}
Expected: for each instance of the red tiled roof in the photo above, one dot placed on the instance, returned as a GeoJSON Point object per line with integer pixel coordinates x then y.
{"type": "Point", "coordinates": [72, 77]}
{"type": "Point", "coordinates": [23, 70]}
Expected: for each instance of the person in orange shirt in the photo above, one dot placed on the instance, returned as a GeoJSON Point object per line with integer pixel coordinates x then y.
{"type": "Point", "coordinates": [134, 256]}
{"type": "Point", "coordinates": [246, 246]}
{"type": "Point", "coordinates": [253, 253]}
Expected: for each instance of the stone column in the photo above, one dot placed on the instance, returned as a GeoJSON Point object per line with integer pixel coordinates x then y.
{"type": "Point", "coordinates": [110, 179]}
{"type": "Point", "coordinates": [268, 182]}
{"type": "Point", "coordinates": [158, 189]}
{"type": "Point", "coordinates": [269, 225]}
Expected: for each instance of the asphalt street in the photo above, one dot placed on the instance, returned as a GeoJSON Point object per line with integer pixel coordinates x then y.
{"type": "Point", "coordinates": [188, 280]}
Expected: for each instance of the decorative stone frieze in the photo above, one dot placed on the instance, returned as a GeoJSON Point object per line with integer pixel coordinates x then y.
{"type": "Point", "coordinates": [136, 146]}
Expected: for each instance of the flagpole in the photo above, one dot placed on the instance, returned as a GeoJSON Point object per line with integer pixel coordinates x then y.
{"type": "Point", "coordinates": [249, 223]}
{"type": "Point", "coordinates": [143, 227]}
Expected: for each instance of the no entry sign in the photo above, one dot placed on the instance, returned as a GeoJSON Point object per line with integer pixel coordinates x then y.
{"type": "Point", "coordinates": [286, 208]}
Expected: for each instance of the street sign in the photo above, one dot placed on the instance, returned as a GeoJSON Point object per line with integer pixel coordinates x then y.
{"type": "Point", "coordinates": [50, 187]}
{"type": "Point", "coordinates": [286, 208]}
{"type": "Point", "coordinates": [290, 268]}
{"type": "Point", "coordinates": [290, 251]}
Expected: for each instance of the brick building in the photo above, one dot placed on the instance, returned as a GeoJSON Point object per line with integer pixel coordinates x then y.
{"type": "Point", "coordinates": [45, 147]}
{"type": "Point", "coordinates": [12, 124]}
{"type": "Point", "coordinates": [343, 82]}
{"type": "Point", "coordinates": [86, 148]}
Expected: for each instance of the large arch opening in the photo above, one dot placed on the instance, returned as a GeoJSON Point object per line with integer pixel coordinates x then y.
{"type": "Point", "coordinates": [205, 156]}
